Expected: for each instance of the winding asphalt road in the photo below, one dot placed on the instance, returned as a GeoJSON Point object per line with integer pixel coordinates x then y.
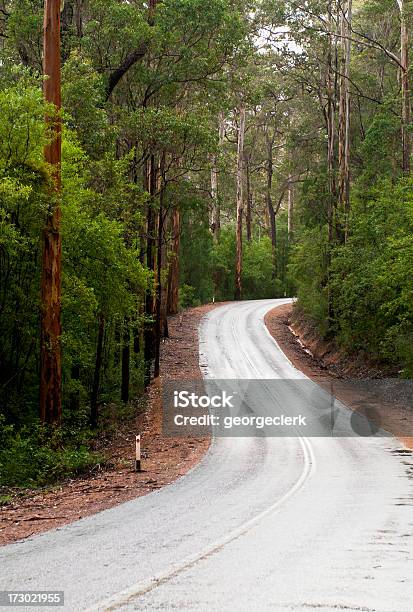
{"type": "Point", "coordinates": [290, 523]}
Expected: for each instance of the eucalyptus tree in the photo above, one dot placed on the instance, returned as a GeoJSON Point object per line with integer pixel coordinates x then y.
{"type": "Point", "coordinates": [51, 327]}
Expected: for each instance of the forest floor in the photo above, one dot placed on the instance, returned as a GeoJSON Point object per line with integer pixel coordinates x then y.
{"type": "Point", "coordinates": [163, 459]}
{"type": "Point", "coordinates": [331, 368]}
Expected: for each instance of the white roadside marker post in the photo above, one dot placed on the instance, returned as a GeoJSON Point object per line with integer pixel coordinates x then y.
{"type": "Point", "coordinates": [138, 454]}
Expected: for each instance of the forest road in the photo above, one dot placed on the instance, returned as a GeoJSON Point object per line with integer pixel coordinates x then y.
{"type": "Point", "coordinates": [262, 523]}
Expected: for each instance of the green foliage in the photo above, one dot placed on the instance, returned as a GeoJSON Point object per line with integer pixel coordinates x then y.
{"type": "Point", "coordinates": [22, 129]}
{"type": "Point", "coordinates": [371, 277]}
{"type": "Point", "coordinates": [257, 271]}
{"type": "Point", "coordinates": [353, 276]}
{"type": "Point", "coordinates": [24, 32]}
{"type": "Point", "coordinates": [187, 297]}
{"type": "Point", "coordinates": [257, 280]}
{"type": "Point", "coordinates": [223, 258]}
{"type": "Point", "coordinates": [167, 130]}
{"type": "Point", "coordinates": [30, 458]}
{"type": "Point", "coordinates": [23, 181]}
{"type": "Point", "coordinates": [178, 25]}
{"type": "Point", "coordinates": [175, 76]}
{"type": "Point", "coordinates": [102, 274]}
{"type": "Point", "coordinates": [378, 146]}
{"type": "Point", "coordinates": [83, 96]}
{"type": "Point", "coordinates": [112, 29]}
{"type": "Point", "coordinates": [196, 253]}
{"type": "Point", "coordinates": [308, 271]}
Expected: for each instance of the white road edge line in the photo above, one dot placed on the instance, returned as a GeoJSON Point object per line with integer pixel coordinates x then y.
{"type": "Point", "coordinates": [144, 586]}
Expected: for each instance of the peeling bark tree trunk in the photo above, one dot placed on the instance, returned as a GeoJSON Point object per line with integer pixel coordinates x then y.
{"type": "Point", "coordinates": [344, 115]}
{"type": "Point", "coordinates": [214, 196]}
{"type": "Point", "coordinates": [331, 105]}
{"type": "Point", "coordinates": [71, 17]}
{"type": "Point", "coordinates": [290, 213]}
{"type": "Point", "coordinates": [164, 302]}
{"type": "Point", "coordinates": [66, 17]}
{"type": "Point", "coordinates": [150, 263]}
{"type": "Point", "coordinates": [158, 300]}
{"type": "Point", "coordinates": [248, 217]}
{"type": "Point", "coordinates": [173, 280]}
{"type": "Point", "coordinates": [330, 132]}
{"type": "Point", "coordinates": [240, 204]}
{"type": "Point", "coordinates": [78, 18]}
{"type": "Point", "coordinates": [270, 207]}
{"type": "Point", "coordinates": [96, 376]}
{"type": "Point", "coordinates": [216, 208]}
{"type": "Point", "coordinates": [165, 270]}
{"type": "Point", "coordinates": [406, 109]}
{"type": "Point", "coordinates": [151, 11]}
{"type": "Point", "coordinates": [50, 348]}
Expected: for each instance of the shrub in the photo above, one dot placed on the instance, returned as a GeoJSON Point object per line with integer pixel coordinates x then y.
{"type": "Point", "coordinates": [31, 457]}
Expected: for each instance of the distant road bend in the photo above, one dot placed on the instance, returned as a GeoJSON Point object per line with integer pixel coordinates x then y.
{"type": "Point", "coordinates": [290, 523]}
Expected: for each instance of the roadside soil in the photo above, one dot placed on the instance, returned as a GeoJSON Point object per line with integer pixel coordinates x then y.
{"type": "Point", "coordinates": [163, 459]}
{"type": "Point", "coordinates": [329, 367]}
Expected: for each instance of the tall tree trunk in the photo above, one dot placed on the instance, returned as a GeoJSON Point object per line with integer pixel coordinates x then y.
{"type": "Point", "coordinates": [270, 207]}
{"type": "Point", "coordinates": [331, 105]}
{"type": "Point", "coordinates": [214, 196]}
{"type": "Point", "coordinates": [240, 203]}
{"type": "Point", "coordinates": [290, 213]}
{"type": "Point", "coordinates": [406, 109]}
{"type": "Point", "coordinates": [79, 18]}
{"type": "Point", "coordinates": [96, 376]}
{"type": "Point", "coordinates": [66, 16]}
{"type": "Point", "coordinates": [216, 209]}
{"type": "Point", "coordinates": [150, 263]}
{"type": "Point", "coordinates": [151, 11]}
{"type": "Point", "coordinates": [136, 339]}
{"type": "Point", "coordinates": [164, 302]}
{"type": "Point", "coordinates": [158, 299]}
{"type": "Point", "coordinates": [330, 129]}
{"type": "Point", "coordinates": [50, 347]}
{"type": "Point", "coordinates": [165, 278]}
{"type": "Point", "coordinates": [125, 362]}
{"type": "Point", "coordinates": [344, 115]}
{"type": "Point", "coordinates": [173, 277]}
{"type": "Point", "coordinates": [248, 216]}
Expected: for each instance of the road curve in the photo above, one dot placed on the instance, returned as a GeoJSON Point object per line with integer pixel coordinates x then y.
{"type": "Point", "coordinates": [261, 523]}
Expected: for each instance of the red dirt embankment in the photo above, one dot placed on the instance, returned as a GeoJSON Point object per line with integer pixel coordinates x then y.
{"type": "Point", "coordinates": [331, 368]}
{"type": "Point", "coordinates": [164, 459]}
